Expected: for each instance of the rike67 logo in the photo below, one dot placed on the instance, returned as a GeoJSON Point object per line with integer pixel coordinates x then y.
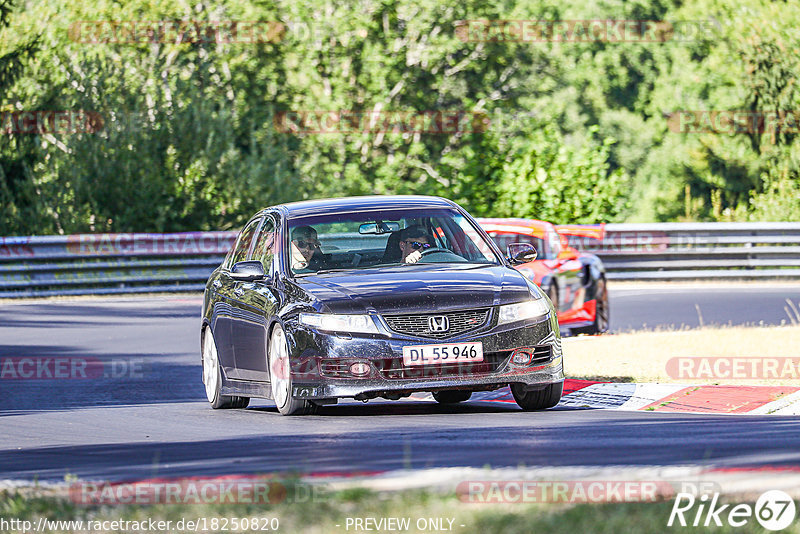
{"type": "Point", "coordinates": [774, 510]}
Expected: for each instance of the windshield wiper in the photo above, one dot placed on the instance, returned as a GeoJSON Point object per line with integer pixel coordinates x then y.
{"type": "Point", "coordinates": [324, 271]}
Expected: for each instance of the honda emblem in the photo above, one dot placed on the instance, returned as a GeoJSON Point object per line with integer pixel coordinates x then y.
{"type": "Point", "coordinates": [438, 323]}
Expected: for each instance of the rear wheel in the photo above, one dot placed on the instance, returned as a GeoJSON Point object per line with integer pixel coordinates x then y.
{"type": "Point", "coordinates": [280, 377]}
{"type": "Point", "coordinates": [451, 396]}
{"type": "Point", "coordinates": [531, 400]}
{"type": "Point", "coordinates": [212, 377]}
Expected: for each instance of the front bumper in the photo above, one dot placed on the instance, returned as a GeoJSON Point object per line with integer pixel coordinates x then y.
{"type": "Point", "coordinates": [579, 317]}
{"type": "Point", "coordinates": [316, 375]}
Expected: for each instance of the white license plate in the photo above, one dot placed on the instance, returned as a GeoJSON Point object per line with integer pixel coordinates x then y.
{"type": "Point", "coordinates": [442, 354]}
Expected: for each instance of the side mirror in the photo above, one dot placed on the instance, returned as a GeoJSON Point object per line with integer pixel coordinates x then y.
{"type": "Point", "coordinates": [520, 253]}
{"type": "Point", "coordinates": [248, 271]}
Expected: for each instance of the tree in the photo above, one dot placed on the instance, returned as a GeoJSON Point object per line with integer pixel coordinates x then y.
{"type": "Point", "coordinates": [16, 155]}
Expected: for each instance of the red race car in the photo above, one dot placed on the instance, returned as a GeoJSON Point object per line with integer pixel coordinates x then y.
{"type": "Point", "coordinates": [575, 281]}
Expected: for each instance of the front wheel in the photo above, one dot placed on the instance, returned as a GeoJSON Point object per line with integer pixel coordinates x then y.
{"type": "Point", "coordinates": [280, 377]}
{"type": "Point", "coordinates": [451, 396]}
{"type": "Point", "coordinates": [531, 400]}
{"type": "Point", "coordinates": [212, 377]}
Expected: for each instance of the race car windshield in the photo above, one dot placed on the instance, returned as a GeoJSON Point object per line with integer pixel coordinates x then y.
{"type": "Point", "coordinates": [364, 239]}
{"type": "Point", "coordinates": [503, 239]}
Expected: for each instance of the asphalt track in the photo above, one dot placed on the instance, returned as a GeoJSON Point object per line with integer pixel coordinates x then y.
{"type": "Point", "coordinates": [154, 421]}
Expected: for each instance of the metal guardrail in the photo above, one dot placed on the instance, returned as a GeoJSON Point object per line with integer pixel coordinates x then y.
{"type": "Point", "coordinates": [137, 263]}
{"type": "Point", "coordinates": [109, 263]}
{"type": "Point", "coordinates": [681, 251]}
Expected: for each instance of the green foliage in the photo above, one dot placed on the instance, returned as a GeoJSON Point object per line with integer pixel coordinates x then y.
{"type": "Point", "coordinates": [578, 131]}
{"type": "Point", "coordinates": [546, 178]}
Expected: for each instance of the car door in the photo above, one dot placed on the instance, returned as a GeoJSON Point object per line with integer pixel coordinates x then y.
{"type": "Point", "coordinates": [226, 308]}
{"type": "Point", "coordinates": [256, 303]}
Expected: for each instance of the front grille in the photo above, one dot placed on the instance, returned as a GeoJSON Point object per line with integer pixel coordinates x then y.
{"type": "Point", "coordinates": [460, 322]}
{"type": "Point", "coordinates": [394, 369]}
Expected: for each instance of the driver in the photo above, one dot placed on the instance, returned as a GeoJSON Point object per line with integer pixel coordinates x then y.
{"type": "Point", "coordinates": [413, 241]}
{"type": "Point", "coordinates": [306, 253]}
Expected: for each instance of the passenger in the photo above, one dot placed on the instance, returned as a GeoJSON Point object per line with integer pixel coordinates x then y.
{"type": "Point", "coordinates": [306, 253]}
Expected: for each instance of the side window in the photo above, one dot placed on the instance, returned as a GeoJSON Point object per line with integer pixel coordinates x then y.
{"type": "Point", "coordinates": [265, 244]}
{"type": "Point", "coordinates": [243, 244]}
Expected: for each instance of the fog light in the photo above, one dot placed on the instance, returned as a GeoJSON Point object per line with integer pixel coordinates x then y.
{"type": "Point", "coordinates": [359, 369]}
{"type": "Point", "coordinates": [521, 357]}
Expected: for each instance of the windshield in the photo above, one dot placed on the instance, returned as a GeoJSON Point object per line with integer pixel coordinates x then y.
{"type": "Point", "coordinates": [384, 237]}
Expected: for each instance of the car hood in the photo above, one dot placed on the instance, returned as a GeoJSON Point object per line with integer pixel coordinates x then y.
{"type": "Point", "coordinates": [415, 288]}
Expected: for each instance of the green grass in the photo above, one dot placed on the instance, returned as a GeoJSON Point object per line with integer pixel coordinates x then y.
{"type": "Point", "coordinates": [298, 513]}
{"type": "Point", "coordinates": [643, 356]}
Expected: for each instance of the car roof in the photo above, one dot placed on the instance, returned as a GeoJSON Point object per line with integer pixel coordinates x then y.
{"type": "Point", "coordinates": [349, 204]}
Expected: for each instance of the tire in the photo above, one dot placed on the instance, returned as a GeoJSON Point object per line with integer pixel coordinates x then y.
{"type": "Point", "coordinates": [537, 399]}
{"type": "Point", "coordinates": [452, 396]}
{"type": "Point", "coordinates": [212, 377]}
{"type": "Point", "coordinates": [601, 315]}
{"type": "Point", "coordinates": [280, 377]}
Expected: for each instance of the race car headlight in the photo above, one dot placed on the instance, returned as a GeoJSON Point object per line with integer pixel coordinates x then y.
{"type": "Point", "coordinates": [340, 323]}
{"type": "Point", "coordinates": [530, 309]}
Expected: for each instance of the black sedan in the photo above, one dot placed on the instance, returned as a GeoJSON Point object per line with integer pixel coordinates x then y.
{"type": "Point", "coordinates": [370, 297]}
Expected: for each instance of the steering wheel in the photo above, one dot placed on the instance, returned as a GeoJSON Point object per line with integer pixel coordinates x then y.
{"type": "Point", "coordinates": [446, 255]}
{"type": "Point", "coordinates": [431, 251]}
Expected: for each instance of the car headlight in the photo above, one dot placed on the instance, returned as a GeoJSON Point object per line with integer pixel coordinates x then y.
{"type": "Point", "coordinates": [340, 323]}
{"type": "Point", "coordinates": [530, 309]}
